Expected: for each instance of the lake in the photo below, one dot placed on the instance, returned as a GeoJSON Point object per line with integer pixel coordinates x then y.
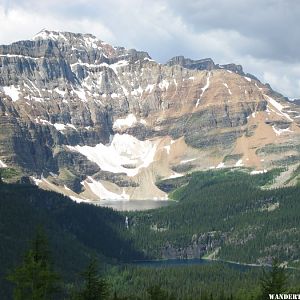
{"type": "Point", "coordinates": [164, 263]}
{"type": "Point", "coordinates": [134, 205]}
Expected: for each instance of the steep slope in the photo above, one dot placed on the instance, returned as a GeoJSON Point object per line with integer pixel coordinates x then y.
{"type": "Point", "coordinates": [94, 121]}
{"type": "Point", "coordinates": [70, 227]}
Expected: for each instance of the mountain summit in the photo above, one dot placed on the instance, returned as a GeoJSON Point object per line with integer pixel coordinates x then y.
{"type": "Point", "coordinates": [94, 121]}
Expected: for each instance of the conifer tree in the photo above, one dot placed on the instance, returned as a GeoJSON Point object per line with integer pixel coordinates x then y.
{"type": "Point", "coordinates": [95, 287]}
{"type": "Point", "coordinates": [274, 281]}
{"type": "Point", "coordinates": [34, 279]}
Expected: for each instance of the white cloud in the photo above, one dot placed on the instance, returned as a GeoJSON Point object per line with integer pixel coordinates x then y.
{"type": "Point", "coordinates": [22, 24]}
{"type": "Point", "coordinates": [283, 77]}
{"type": "Point", "coordinates": [260, 36]}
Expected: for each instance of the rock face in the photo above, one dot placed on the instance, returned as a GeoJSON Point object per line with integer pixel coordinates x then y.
{"type": "Point", "coordinates": [95, 121]}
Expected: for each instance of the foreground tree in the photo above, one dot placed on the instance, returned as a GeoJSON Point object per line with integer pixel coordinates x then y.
{"type": "Point", "coordinates": [274, 281]}
{"type": "Point", "coordinates": [95, 287]}
{"type": "Point", "coordinates": [34, 279]}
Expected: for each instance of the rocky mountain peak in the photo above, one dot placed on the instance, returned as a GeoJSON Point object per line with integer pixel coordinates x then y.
{"type": "Point", "coordinates": [67, 37]}
{"type": "Point", "coordinates": [201, 64]}
{"type": "Point", "coordinates": [76, 41]}
{"type": "Point", "coordinates": [85, 42]}
{"type": "Point", "coordinates": [95, 121]}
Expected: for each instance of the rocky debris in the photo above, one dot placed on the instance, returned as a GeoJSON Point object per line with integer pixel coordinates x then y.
{"type": "Point", "coordinates": [119, 179]}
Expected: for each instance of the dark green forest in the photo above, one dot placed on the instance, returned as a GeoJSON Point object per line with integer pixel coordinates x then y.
{"type": "Point", "coordinates": [227, 211]}
{"type": "Point", "coordinates": [225, 215]}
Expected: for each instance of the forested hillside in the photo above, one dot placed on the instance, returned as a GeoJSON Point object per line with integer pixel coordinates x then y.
{"type": "Point", "coordinates": [76, 231]}
{"type": "Point", "coordinates": [224, 214]}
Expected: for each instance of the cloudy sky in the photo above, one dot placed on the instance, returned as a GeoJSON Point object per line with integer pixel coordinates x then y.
{"type": "Point", "coordinates": [261, 35]}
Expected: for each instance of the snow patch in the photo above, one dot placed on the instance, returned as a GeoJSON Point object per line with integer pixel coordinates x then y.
{"type": "Point", "coordinates": [150, 88]}
{"type": "Point", "coordinates": [137, 91]}
{"type": "Point", "coordinates": [220, 165]}
{"type": "Point", "coordinates": [78, 200]}
{"type": "Point", "coordinates": [164, 84]}
{"type": "Point", "coordinates": [42, 121]}
{"type": "Point", "coordinates": [268, 110]}
{"type": "Point", "coordinates": [168, 148]}
{"type": "Point", "coordinates": [125, 91]}
{"type": "Point", "coordinates": [114, 95]}
{"type": "Point", "coordinates": [99, 190]}
{"type": "Point", "coordinates": [90, 42]}
{"type": "Point", "coordinates": [44, 35]}
{"type": "Point", "coordinates": [71, 126]}
{"type": "Point", "coordinates": [36, 181]}
{"type": "Point", "coordinates": [279, 107]}
{"type": "Point", "coordinates": [119, 64]}
{"type": "Point", "coordinates": [81, 94]}
{"type": "Point", "coordinates": [59, 126]}
{"type": "Point", "coordinates": [89, 65]}
{"type": "Point", "coordinates": [2, 164]}
{"type": "Point", "coordinates": [258, 172]}
{"type": "Point", "coordinates": [186, 161]}
{"type": "Point", "coordinates": [144, 122]}
{"type": "Point", "coordinates": [123, 150]}
{"type": "Point", "coordinates": [175, 175]}
{"type": "Point", "coordinates": [12, 91]}
{"type": "Point", "coordinates": [248, 79]}
{"type": "Point", "coordinates": [58, 91]}
{"type": "Point", "coordinates": [280, 131]}
{"type": "Point", "coordinates": [128, 121]}
{"type": "Point", "coordinates": [258, 86]}
{"type": "Point", "coordinates": [239, 163]}
{"type": "Point", "coordinates": [148, 59]}
{"type": "Point", "coordinates": [34, 86]}
{"type": "Point", "coordinates": [228, 89]}
{"type": "Point", "coordinates": [20, 56]}
{"type": "Point", "coordinates": [66, 188]}
{"type": "Point", "coordinates": [204, 89]}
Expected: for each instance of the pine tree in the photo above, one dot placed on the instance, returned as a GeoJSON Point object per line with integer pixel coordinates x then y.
{"type": "Point", "coordinates": [274, 281]}
{"type": "Point", "coordinates": [95, 287]}
{"type": "Point", "coordinates": [34, 279]}
{"type": "Point", "coordinates": [157, 293]}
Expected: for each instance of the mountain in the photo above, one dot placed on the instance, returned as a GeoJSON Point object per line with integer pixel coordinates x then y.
{"type": "Point", "coordinates": [93, 121]}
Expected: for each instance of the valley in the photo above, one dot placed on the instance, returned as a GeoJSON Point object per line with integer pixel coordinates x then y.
{"type": "Point", "coordinates": [222, 215]}
{"type": "Point", "coordinates": [190, 165]}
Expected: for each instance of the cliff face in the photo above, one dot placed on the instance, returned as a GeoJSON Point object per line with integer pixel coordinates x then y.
{"type": "Point", "coordinates": [100, 122]}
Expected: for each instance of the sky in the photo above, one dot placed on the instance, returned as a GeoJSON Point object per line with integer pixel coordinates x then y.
{"type": "Point", "coordinates": [261, 35]}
